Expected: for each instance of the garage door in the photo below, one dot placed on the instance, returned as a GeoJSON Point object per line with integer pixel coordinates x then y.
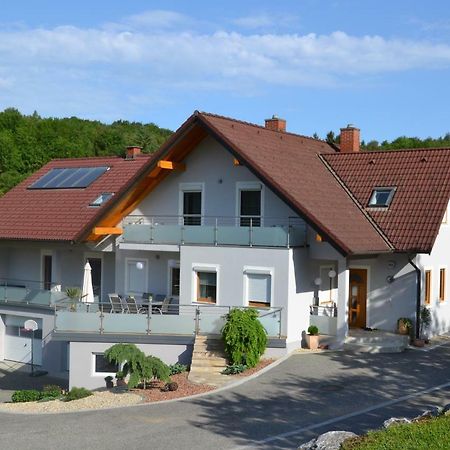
{"type": "Point", "coordinates": [18, 340]}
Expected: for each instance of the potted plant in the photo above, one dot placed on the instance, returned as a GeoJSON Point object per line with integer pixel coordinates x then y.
{"type": "Point", "coordinates": [109, 382]}
{"type": "Point", "coordinates": [120, 379]}
{"type": "Point", "coordinates": [312, 338]}
{"type": "Point", "coordinates": [404, 325]}
{"type": "Point", "coordinates": [74, 294]}
{"type": "Point", "coordinates": [425, 322]}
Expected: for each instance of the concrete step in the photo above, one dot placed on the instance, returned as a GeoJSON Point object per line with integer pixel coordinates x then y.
{"type": "Point", "coordinates": [374, 348]}
{"type": "Point", "coordinates": [206, 369]}
{"type": "Point", "coordinates": [209, 345]}
{"type": "Point", "coordinates": [396, 339]}
{"type": "Point", "coordinates": [210, 362]}
{"type": "Point", "coordinates": [208, 354]}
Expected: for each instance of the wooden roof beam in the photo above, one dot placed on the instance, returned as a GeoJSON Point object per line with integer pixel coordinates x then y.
{"type": "Point", "coordinates": [103, 231]}
{"type": "Point", "coordinates": [171, 165]}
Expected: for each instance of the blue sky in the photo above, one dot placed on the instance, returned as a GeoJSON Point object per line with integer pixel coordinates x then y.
{"type": "Point", "coordinates": [383, 65]}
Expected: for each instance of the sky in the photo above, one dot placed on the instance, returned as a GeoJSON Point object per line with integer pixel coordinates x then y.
{"type": "Point", "coordinates": [381, 65]}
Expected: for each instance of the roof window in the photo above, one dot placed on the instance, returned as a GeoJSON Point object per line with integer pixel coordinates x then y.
{"type": "Point", "coordinates": [381, 197]}
{"type": "Point", "coordinates": [102, 198]}
{"type": "Point", "coordinates": [69, 178]}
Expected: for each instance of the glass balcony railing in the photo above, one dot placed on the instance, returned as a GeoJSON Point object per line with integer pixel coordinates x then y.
{"type": "Point", "coordinates": [27, 292]}
{"type": "Point", "coordinates": [184, 320]}
{"type": "Point", "coordinates": [251, 232]}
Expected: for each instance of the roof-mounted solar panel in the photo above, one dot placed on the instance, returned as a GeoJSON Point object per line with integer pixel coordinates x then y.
{"type": "Point", "coordinates": [69, 178]}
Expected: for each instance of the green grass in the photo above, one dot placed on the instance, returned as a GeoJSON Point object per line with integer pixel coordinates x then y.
{"type": "Point", "coordinates": [432, 434]}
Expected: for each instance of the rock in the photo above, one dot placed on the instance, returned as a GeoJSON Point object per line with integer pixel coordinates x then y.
{"type": "Point", "coordinates": [434, 411]}
{"type": "Point", "coordinates": [395, 421]}
{"type": "Point", "coordinates": [328, 441]}
{"type": "Point", "coordinates": [446, 409]}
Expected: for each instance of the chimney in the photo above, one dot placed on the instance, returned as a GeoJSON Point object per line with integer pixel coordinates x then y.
{"type": "Point", "coordinates": [276, 124]}
{"type": "Point", "coordinates": [350, 137]}
{"type": "Point", "coordinates": [133, 151]}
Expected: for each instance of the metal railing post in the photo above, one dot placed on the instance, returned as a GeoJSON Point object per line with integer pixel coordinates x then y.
{"type": "Point", "coordinates": [197, 320]}
{"type": "Point", "coordinates": [288, 236]}
{"type": "Point", "coordinates": [151, 230]}
{"type": "Point", "coordinates": [54, 319]}
{"type": "Point", "coordinates": [279, 323]}
{"type": "Point", "coordinates": [101, 329]}
{"type": "Point", "coordinates": [149, 318]}
{"type": "Point", "coordinates": [251, 232]}
{"type": "Point", "coordinates": [215, 233]}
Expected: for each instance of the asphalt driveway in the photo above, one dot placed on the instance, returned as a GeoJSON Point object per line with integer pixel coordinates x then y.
{"type": "Point", "coordinates": [304, 396]}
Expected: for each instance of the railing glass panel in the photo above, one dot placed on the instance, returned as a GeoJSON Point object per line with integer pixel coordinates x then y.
{"type": "Point", "coordinates": [77, 322]}
{"type": "Point", "coordinates": [173, 324]}
{"type": "Point", "coordinates": [270, 320]}
{"type": "Point", "coordinates": [125, 323]}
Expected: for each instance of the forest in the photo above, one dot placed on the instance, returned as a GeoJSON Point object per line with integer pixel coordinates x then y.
{"type": "Point", "coordinates": [27, 142]}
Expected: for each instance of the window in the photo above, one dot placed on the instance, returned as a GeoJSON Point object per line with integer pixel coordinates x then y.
{"type": "Point", "coordinates": [102, 365]}
{"type": "Point", "coordinates": [250, 207]}
{"type": "Point", "coordinates": [207, 287]}
{"type": "Point", "coordinates": [136, 276]}
{"type": "Point", "coordinates": [259, 289]}
{"type": "Point", "coordinates": [102, 198]}
{"type": "Point", "coordinates": [69, 178]}
{"type": "Point", "coordinates": [427, 287]}
{"type": "Point", "coordinates": [381, 197]}
{"type": "Point", "coordinates": [192, 207]}
{"type": "Point", "coordinates": [442, 285]}
{"type": "Point", "coordinates": [47, 271]}
{"type": "Point", "coordinates": [174, 281]}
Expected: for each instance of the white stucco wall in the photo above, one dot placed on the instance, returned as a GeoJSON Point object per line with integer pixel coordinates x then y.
{"type": "Point", "coordinates": [82, 366]}
{"type": "Point", "coordinates": [212, 165]}
{"type": "Point", "coordinates": [439, 258]}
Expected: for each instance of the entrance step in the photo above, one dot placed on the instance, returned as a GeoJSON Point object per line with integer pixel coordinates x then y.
{"type": "Point", "coordinates": [208, 361]}
{"type": "Point", "coordinates": [376, 341]}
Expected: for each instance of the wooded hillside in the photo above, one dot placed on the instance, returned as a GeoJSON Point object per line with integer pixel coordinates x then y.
{"type": "Point", "coordinates": [28, 142]}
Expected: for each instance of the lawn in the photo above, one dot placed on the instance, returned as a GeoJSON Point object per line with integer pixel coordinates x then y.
{"type": "Point", "coordinates": [431, 434]}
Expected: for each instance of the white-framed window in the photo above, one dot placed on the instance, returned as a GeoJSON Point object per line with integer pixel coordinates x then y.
{"type": "Point", "coordinates": [46, 269]}
{"type": "Point", "coordinates": [249, 203]}
{"type": "Point", "coordinates": [102, 367]}
{"type": "Point", "coordinates": [258, 287]}
{"type": "Point", "coordinates": [136, 276]}
{"type": "Point", "coordinates": [173, 278]}
{"type": "Point", "coordinates": [206, 284]}
{"type": "Point", "coordinates": [191, 203]}
{"type": "Point", "coordinates": [442, 284]}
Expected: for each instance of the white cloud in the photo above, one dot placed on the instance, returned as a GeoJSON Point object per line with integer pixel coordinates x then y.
{"type": "Point", "coordinates": [266, 20]}
{"type": "Point", "coordinates": [153, 54]}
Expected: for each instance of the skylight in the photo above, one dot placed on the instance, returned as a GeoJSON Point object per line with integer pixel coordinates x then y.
{"type": "Point", "coordinates": [102, 198]}
{"type": "Point", "coordinates": [69, 178]}
{"type": "Point", "coordinates": [381, 197]}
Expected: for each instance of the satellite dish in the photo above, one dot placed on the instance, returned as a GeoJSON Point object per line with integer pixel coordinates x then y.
{"type": "Point", "coordinates": [30, 325]}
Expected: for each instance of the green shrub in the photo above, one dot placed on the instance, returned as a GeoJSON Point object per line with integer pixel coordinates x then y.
{"type": "Point", "coordinates": [26, 395]}
{"type": "Point", "coordinates": [313, 330]}
{"type": "Point", "coordinates": [140, 367]}
{"type": "Point", "coordinates": [51, 391]}
{"type": "Point", "coordinates": [244, 337]}
{"type": "Point", "coordinates": [77, 393]}
{"type": "Point", "coordinates": [234, 369]}
{"type": "Point", "coordinates": [177, 368]}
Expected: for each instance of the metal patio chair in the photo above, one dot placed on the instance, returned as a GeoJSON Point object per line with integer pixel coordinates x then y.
{"type": "Point", "coordinates": [116, 303]}
{"type": "Point", "coordinates": [133, 307]}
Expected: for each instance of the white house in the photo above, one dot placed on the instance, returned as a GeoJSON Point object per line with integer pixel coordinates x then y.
{"type": "Point", "coordinates": [226, 214]}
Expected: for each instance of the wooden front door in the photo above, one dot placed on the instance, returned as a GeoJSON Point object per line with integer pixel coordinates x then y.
{"type": "Point", "coordinates": [358, 298]}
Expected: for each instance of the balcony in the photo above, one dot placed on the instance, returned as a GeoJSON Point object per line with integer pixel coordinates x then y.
{"type": "Point", "coordinates": [218, 231]}
{"type": "Point", "coordinates": [28, 293]}
{"type": "Point", "coordinates": [182, 320]}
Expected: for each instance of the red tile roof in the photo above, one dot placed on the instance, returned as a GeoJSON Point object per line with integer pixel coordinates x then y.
{"type": "Point", "coordinates": [63, 214]}
{"type": "Point", "coordinates": [291, 166]}
{"type": "Point", "coordinates": [422, 179]}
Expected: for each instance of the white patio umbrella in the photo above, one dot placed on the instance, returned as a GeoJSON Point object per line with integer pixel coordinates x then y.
{"type": "Point", "coordinates": [87, 294]}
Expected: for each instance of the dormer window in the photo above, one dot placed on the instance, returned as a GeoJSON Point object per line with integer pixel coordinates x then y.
{"type": "Point", "coordinates": [102, 198]}
{"type": "Point", "coordinates": [381, 197]}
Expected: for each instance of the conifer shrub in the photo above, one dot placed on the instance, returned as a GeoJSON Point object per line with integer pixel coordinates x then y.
{"type": "Point", "coordinates": [77, 393]}
{"type": "Point", "coordinates": [244, 337]}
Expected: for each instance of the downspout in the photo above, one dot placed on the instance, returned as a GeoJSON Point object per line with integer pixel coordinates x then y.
{"type": "Point", "coordinates": [419, 290]}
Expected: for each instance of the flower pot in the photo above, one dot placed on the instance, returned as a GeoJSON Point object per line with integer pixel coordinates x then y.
{"type": "Point", "coordinates": [109, 384]}
{"type": "Point", "coordinates": [312, 341]}
{"type": "Point", "coordinates": [419, 342]}
{"type": "Point", "coordinates": [403, 328]}
{"type": "Point", "coordinates": [121, 383]}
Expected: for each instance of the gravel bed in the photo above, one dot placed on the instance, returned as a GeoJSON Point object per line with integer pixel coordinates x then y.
{"type": "Point", "coordinates": [98, 400]}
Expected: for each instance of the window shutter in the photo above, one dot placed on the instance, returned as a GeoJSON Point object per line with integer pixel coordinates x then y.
{"type": "Point", "coordinates": [259, 288]}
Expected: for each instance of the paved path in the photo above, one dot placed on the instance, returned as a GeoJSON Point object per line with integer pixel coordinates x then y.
{"type": "Point", "coordinates": [302, 397]}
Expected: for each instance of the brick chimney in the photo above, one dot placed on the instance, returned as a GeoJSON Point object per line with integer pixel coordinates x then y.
{"type": "Point", "coordinates": [133, 151]}
{"type": "Point", "coordinates": [276, 124]}
{"type": "Point", "coordinates": [350, 137]}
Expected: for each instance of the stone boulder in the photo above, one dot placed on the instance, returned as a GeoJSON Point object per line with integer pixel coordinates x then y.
{"type": "Point", "coordinates": [395, 421]}
{"type": "Point", "coordinates": [328, 441]}
{"type": "Point", "coordinates": [434, 411]}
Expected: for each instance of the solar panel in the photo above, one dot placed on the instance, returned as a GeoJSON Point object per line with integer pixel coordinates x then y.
{"type": "Point", "coordinates": [69, 178]}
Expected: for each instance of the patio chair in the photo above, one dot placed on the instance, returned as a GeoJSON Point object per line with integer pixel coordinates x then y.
{"type": "Point", "coordinates": [133, 307]}
{"type": "Point", "coordinates": [162, 308]}
{"type": "Point", "coordinates": [116, 303]}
